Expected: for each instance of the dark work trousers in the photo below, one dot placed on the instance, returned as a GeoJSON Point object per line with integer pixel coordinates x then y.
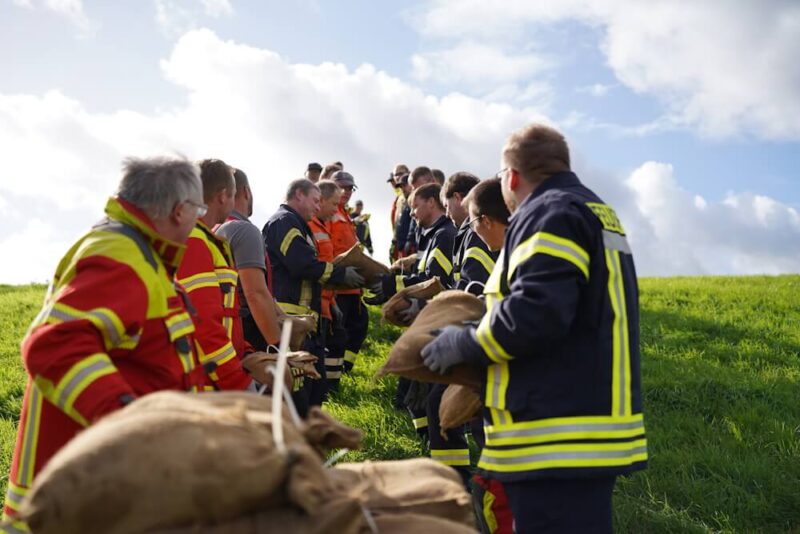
{"type": "Point", "coordinates": [561, 505]}
{"type": "Point", "coordinates": [335, 339]}
{"type": "Point", "coordinates": [453, 449]}
{"type": "Point", "coordinates": [317, 389]}
{"type": "Point", "coordinates": [356, 324]}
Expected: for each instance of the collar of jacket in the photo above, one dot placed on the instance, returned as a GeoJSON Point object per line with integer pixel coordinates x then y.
{"type": "Point", "coordinates": [170, 252]}
{"type": "Point", "coordinates": [441, 221]}
{"type": "Point", "coordinates": [557, 181]}
{"type": "Point", "coordinates": [294, 213]}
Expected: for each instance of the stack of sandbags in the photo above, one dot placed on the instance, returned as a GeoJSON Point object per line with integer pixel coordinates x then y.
{"type": "Point", "coordinates": [172, 459]}
{"type": "Point", "coordinates": [459, 405]}
{"type": "Point", "coordinates": [399, 301]}
{"type": "Point", "coordinates": [404, 265]}
{"type": "Point", "coordinates": [370, 269]}
{"type": "Point", "coordinates": [448, 308]}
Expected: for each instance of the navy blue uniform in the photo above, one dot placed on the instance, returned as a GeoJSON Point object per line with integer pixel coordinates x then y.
{"type": "Point", "coordinates": [401, 229]}
{"type": "Point", "coordinates": [472, 260]}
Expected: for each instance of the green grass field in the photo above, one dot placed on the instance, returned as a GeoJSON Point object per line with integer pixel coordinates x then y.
{"type": "Point", "coordinates": [721, 366]}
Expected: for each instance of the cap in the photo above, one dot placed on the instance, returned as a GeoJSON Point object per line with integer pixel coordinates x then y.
{"type": "Point", "coordinates": [314, 166]}
{"type": "Point", "coordinates": [343, 178]}
{"type": "Point", "coordinates": [403, 180]}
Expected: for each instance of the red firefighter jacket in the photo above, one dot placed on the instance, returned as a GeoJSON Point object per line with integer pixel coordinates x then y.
{"type": "Point", "coordinates": [343, 235]}
{"type": "Point", "coordinates": [322, 236]}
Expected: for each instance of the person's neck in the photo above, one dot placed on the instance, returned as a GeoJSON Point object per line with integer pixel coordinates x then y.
{"type": "Point", "coordinates": [211, 218]}
{"type": "Point", "coordinates": [434, 218]}
{"type": "Point", "coordinates": [459, 218]}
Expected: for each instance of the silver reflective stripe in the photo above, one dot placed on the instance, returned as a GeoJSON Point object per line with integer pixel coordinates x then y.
{"type": "Point", "coordinates": [78, 378]}
{"type": "Point", "coordinates": [203, 279]}
{"type": "Point", "coordinates": [334, 361]}
{"type": "Point", "coordinates": [321, 236]}
{"type": "Point", "coordinates": [333, 374]}
{"type": "Point", "coordinates": [229, 352]}
{"type": "Point", "coordinates": [566, 455]}
{"type": "Point", "coordinates": [558, 429]}
{"type": "Point", "coordinates": [12, 529]}
{"type": "Point", "coordinates": [14, 497]}
{"type": "Point", "coordinates": [528, 247]}
{"type": "Point", "coordinates": [176, 327]}
{"type": "Point", "coordinates": [111, 330]}
{"type": "Point", "coordinates": [496, 378]}
{"type": "Point", "coordinates": [34, 409]}
{"type": "Point", "coordinates": [450, 457]}
{"type": "Point", "coordinates": [614, 241]}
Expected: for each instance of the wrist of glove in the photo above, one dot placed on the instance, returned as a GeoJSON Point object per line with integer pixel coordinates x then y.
{"type": "Point", "coordinates": [415, 306]}
{"type": "Point", "coordinates": [336, 313]}
{"type": "Point", "coordinates": [352, 278]}
{"type": "Point", "coordinates": [453, 345]}
{"type": "Point", "coordinates": [378, 295]}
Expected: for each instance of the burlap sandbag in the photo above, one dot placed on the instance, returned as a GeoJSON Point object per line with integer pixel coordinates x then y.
{"type": "Point", "coordinates": [302, 326]}
{"type": "Point", "coordinates": [367, 267]}
{"type": "Point", "coordinates": [404, 265]}
{"type": "Point", "coordinates": [324, 432]}
{"type": "Point", "coordinates": [425, 291]}
{"type": "Point", "coordinates": [459, 405]}
{"type": "Point", "coordinates": [258, 364]}
{"type": "Point", "coordinates": [419, 524]}
{"type": "Point", "coordinates": [416, 486]}
{"type": "Point", "coordinates": [447, 308]}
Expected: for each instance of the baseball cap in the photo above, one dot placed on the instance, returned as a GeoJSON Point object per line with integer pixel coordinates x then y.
{"type": "Point", "coordinates": [344, 178]}
{"type": "Point", "coordinates": [314, 166]}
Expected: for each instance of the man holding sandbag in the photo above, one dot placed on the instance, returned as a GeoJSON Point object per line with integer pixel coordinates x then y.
{"type": "Point", "coordinates": [560, 345]}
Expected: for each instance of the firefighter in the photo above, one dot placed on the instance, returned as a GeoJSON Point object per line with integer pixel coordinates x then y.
{"type": "Point", "coordinates": [398, 205]}
{"type": "Point", "coordinates": [559, 344]}
{"type": "Point", "coordinates": [297, 272]}
{"type": "Point", "coordinates": [208, 275]}
{"type": "Point", "coordinates": [355, 318]}
{"type": "Point", "coordinates": [361, 220]}
{"type": "Point", "coordinates": [415, 240]}
{"type": "Point", "coordinates": [313, 171]}
{"type": "Point", "coordinates": [114, 325]}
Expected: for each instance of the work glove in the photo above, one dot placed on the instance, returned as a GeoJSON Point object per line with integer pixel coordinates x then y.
{"type": "Point", "coordinates": [453, 345]}
{"type": "Point", "coordinates": [416, 397]}
{"type": "Point", "coordinates": [409, 314]}
{"type": "Point", "coordinates": [352, 278]}
{"type": "Point", "coordinates": [378, 295]}
{"type": "Point", "coordinates": [336, 313]}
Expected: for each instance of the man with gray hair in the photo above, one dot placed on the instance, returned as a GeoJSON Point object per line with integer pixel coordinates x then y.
{"type": "Point", "coordinates": [113, 325]}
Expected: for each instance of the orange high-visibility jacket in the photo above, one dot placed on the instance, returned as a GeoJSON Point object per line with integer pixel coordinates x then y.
{"type": "Point", "coordinates": [343, 235]}
{"type": "Point", "coordinates": [113, 327]}
{"type": "Point", "coordinates": [209, 278]}
{"type": "Point", "coordinates": [322, 236]}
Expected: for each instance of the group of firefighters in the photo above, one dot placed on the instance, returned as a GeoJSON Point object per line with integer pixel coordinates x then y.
{"type": "Point", "coordinates": [176, 285]}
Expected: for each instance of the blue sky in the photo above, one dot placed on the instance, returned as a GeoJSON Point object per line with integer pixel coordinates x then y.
{"type": "Point", "coordinates": [685, 117]}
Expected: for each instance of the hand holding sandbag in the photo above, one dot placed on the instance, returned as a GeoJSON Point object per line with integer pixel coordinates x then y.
{"type": "Point", "coordinates": [452, 346]}
{"type": "Point", "coordinates": [378, 296]}
{"type": "Point", "coordinates": [352, 278]}
{"type": "Point", "coordinates": [414, 307]}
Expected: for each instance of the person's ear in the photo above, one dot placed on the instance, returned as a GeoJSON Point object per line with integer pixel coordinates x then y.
{"type": "Point", "coordinates": [513, 179]}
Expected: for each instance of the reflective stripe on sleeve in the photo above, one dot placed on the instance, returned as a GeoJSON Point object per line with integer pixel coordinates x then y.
{"type": "Point", "coordinates": [288, 238]}
{"type": "Point", "coordinates": [75, 381]}
{"type": "Point", "coordinates": [219, 356]}
{"type": "Point", "coordinates": [552, 245]}
{"type": "Point", "coordinates": [620, 372]}
{"type": "Point", "coordinates": [179, 325]}
{"type": "Point", "coordinates": [199, 280]}
{"type": "Point", "coordinates": [442, 259]}
{"type": "Point", "coordinates": [480, 255]}
{"type": "Point", "coordinates": [487, 341]}
{"type": "Point", "coordinates": [104, 319]}
{"type": "Point", "coordinates": [326, 274]}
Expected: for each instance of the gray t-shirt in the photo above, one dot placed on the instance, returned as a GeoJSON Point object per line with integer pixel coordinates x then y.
{"type": "Point", "coordinates": [245, 240]}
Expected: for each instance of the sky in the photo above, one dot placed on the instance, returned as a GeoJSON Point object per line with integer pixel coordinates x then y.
{"type": "Point", "coordinates": [684, 116]}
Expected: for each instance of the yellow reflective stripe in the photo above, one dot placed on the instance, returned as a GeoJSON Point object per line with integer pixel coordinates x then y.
{"type": "Point", "coordinates": [422, 263]}
{"type": "Point", "coordinates": [500, 417]}
{"type": "Point", "coordinates": [287, 239]}
{"type": "Point", "coordinates": [620, 371]}
{"type": "Point", "coordinates": [295, 309]}
{"type": "Point", "coordinates": [179, 325]}
{"type": "Point", "coordinates": [14, 526]}
{"type": "Point", "coordinates": [552, 245]}
{"type": "Point", "coordinates": [104, 319]}
{"type": "Point", "coordinates": [199, 280]}
{"type": "Point", "coordinates": [487, 341]}
{"type": "Point", "coordinates": [399, 282]}
{"type": "Point", "coordinates": [306, 292]}
{"type": "Point", "coordinates": [488, 514]}
{"type": "Point", "coordinates": [497, 378]}
{"type": "Point", "coordinates": [219, 356]}
{"type": "Point", "coordinates": [30, 438]}
{"type": "Point", "coordinates": [452, 457]}
{"type": "Point", "coordinates": [480, 255]}
{"type": "Point", "coordinates": [565, 429]}
{"type": "Point", "coordinates": [420, 423]}
{"type": "Point", "coordinates": [443, 260]}
{"type": "Point", "coordinates": [326, 274]}
{"type": "Point", "coordinates": [457, 276]}
{"type": "Point", "coordinates": [571, 455]}
{"type": "Point", "coordinates": [350, 356]}
{"type": "Point", "coordinates": [15, 495]}
{"type": "Point", "coordinates": [75, 381]}
{"type": "Point", "coordinates": [227, 276]}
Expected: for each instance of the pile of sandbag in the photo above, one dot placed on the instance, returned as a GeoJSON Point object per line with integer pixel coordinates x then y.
{"type": "Point", "coordinates": [176, 462]}
{"type": "Point", "coordinates": [399, 302]}
{"type": "Point", "coordinates": [370, 269]}
{"type": "Point", "coordinates": [447, 308]}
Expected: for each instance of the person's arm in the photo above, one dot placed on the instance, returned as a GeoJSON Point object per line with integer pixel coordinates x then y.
{"type": "Point", "coordinates": [476, 265]}
{"type": "Point", "coordinates": [260, 303]}
{"type": "Point", "coordinates": [300, 257]}
{"type": "Point", "coordinates": [439, 262]}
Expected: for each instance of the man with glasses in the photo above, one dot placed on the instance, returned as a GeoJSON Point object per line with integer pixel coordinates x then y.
{"type": "Point", "coordinates": [113, 325]}
{"type": "Point", "coordinates": [208, 275]}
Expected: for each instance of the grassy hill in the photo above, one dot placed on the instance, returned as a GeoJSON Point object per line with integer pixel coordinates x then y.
{"type": "Point", "coordinates": [721, 366]}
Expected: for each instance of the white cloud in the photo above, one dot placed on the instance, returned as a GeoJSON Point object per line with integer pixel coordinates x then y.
{"type": "Point", "coordinates": [70, 9]}
{"type": "Point", "coordinates": [596, 89]}
{"type": "Point", "coordinates": [176, 17]}
{"type": "Point", "coordinates": [724, 68]}
{"type": "Point", "coordinates": [270, 117]}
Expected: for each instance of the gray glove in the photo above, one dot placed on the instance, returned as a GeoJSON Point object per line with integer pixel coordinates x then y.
{"type": "Point", "coordinates": [409, 314]}
{"type": "Point", "coordinates": [336, 313]}
{"type": "Point", "coordinates": [352, 278]}
{"type": "Point", "coordinates": [378, 296]}
{"type": "Point", "coordinates": [453, 345]}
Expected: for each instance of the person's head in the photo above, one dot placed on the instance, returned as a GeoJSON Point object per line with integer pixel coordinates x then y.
{"type": "Point", "coordinates": [403, 185]}
{"type": "Point", "coordinates": [303, 196]}
{"type": "Point", "coordinates": [346, 181]}
{"type": "Point", "coordinates": [394, 177]}
{"type": "Point", "coordinates": [426, 204]}
{"type": "Point", "coordinates": [530, 156]}
{"type": "Point", "coordinates": [167, 190]}
{"type": "Point", "coordinates": [359, 207]}
{"type": "Point", "coordinates": [330, 195]}
{"type": "Point", "coordinates": [338, 164]}
{"type": "Point", "coordinates": [438, 176]}
{"type": "Point", "coordinates": [455, 189]}
{"type": "Point", "coordinates": [243, 203]}
{"type": "Point", "coordinates": [488, 213]}
{"type": "Point", "coordinates": [329, 171]}
{"type": "Point", "coordinates": [419, 177]}
{"type": "Point", "coordinates": [219, 190]}
{"type": "Point", "coordinates": [313, 171]}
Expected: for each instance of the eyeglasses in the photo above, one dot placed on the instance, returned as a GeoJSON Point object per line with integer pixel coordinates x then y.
{"type": "Point", "coordinates": [501, 172]}
{"type": "Point", "coordinates": [202, 209]}
{"type": "Point", "coordinates": [471, 222]}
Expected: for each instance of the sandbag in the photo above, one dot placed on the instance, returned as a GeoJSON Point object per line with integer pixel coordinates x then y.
{"type": "Point", "coordinates": [404, 265]}
{"type": "Point", "coordinates": [418, 523]}
{"type": "Point", "coordinates": [425, 290]}
{"type": "Point", "coordinates": [459, 405]}
{"type": "Point", "coordinates": [415, 486]}
{"type": "Point", "coordinates": [258, 363]}
{"type": "Point", "coordinates": [370, 269]}
{"type": "Point", "coordinates": [448, 308]}
{"type": "Point", "coordinates": [324, 432]}
{"type": "Point", "coordinates": [302, 326]}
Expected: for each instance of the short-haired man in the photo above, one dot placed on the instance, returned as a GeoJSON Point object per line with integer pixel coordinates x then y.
{"type": "Point", "coordinates": [398, 204]}
{"type": "Point", "coordinates": [113, 325]}
{"type": "Point", "coordinates": [257, 307]}
{"type": "Point", "coordinates": [403, 217]}
{"type": "Point", "coordinates": [438, 176]}
{"type": "Point", "coordinates": [415, 240]}
{"type": "Point", "coordinates": [208, 276]}
{"type": "Point", "coordinates": [560, 346]}
{"type": "Point", "coordinates": [329, 170]}
{"type": "Point", "coordinates": [361, 220]}
{"type": "Point", "coordinates": [297, 272]}
{"type": "Point", "coordinates": [313, 171]}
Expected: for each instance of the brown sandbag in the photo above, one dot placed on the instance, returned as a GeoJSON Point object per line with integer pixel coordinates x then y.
{"type": "Point", "coordinates": [459, 405]}
{"type": "Point", "coordinates": [448, 308]}
{"type": "Point", "coordinates": [324, 432]}
{"type": "Point", "coordinates": [404, 523]}
{"type": "Point", "coordinates": [415, 486]}
{"type": "Point", "coordinates": [424, 290]}
{"type": "Point", "coordinates": [369, 268]}
{"type": "Point", "coordinates": [404, 265]}
{"type": "Point", "coordinates": [302, 326]}
{"type": "Point", "coordinates": [257, 364]}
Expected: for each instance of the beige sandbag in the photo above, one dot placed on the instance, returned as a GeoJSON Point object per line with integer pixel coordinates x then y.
{"type": "Point", "coordinates": [425, 290]}
{"type": "Point", "coordinates": [459, 405]}
{"type": "Point", "coordinates": [367, 267]}
{"type": "Point", "coordinates": [258, 363]}
{"type": "Point", "coordinates": [302, 326]}
{"type": "Point", "coordinates": [404, 265]}
{"type": "Point", "coordinates": [258, 366]}
{"type": "Point", "coordinates": [418, 523]}
{"type": "Point", "coordinates": [415, 486]}
{"type": "Point", "coordinates": [447, 308]}
{"type": "Point", "coordinates": [324, 432]}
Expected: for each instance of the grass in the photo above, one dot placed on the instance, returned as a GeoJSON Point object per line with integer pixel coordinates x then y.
{"type": "Point", "coordinates": [721, 373]}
